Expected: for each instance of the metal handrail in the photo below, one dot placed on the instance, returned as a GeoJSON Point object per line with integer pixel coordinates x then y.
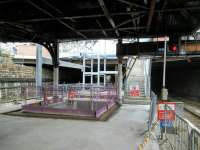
{"type": "Point", "coordinates": [132, 59]}
{"type": "Point", "coordinates": [186, 136]}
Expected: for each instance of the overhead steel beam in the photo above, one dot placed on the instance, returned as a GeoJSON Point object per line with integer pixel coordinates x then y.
{"type": "Point", "coordinates": [132, 4]}
{"type": "Point", "coordinates": [111, 29]}
{"type": "Point", "coordinates": [111, 14]}
{"type": "Point", "coordinates": [177, 9]}
{"type": "Point", "coordinates": [59, 20]}
{"type": "Point", "coordinates": [20, 26]}
{"type": "Point", "coordinates": [53, 7]}
{"type": "Point", "coordinates": [108, 16]}
{"type": "Point", "coordinates": [151, 12]}
{"type": "Point", "coordinates": [6, 1]}
{"type": "Point", "coordinates": [80, 17]}
{"type": "Point", "coordinates": [103, 31]}
{"type": "Point", "coordinates": [129, 20]}
{"type": "Point", "coordinates": [160, 16]}
{"type": "Point", "coordinates": [187, 16]}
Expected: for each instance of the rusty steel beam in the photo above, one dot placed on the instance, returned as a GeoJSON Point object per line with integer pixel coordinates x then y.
{"type": "Point", "coordinates": [132, 4]}
{"type": "Point", "coordinates": [103, 31]}
{"type": "Point", "coordinates": [108, 16]}
{"type": "Point", "coordinates": [151, 13]}
{"type": "Point", "coordinates": [111, 29]}
{"type": "Point", "coordinates": [129, 20]}
{"type": "Point", "coordinates": [59, 20]}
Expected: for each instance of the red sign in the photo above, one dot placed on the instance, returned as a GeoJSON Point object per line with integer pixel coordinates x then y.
{"type": "Point", "coordinates": [166, 111]}
{"type": "Point", "coordinates": [134, 91]}
{"type": "Point", "coordinates": [72, 94]}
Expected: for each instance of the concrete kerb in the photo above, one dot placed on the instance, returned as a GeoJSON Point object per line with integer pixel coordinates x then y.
{"type": "Point", "coordinates": [12, 106]}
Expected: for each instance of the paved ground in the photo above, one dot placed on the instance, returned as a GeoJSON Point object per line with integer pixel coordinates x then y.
{"type": "Point", "coordinates": [120, 132]}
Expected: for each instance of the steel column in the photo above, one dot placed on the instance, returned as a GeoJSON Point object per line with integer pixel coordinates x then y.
{"type": "Point", "coordinates": [120, 79]}
{"type": "Point", "coordinates": [83, 77]}
{"type": "Point", "coordinates": [104, 76]}
{"type": "Point", "coordinates": [38, 74]}
{"type": "Point", "coordinates": [98, 70]}
{"type": "Point", "coordinates": [56, 68]}
{"type": "Point", "coordinates": [91, 76]}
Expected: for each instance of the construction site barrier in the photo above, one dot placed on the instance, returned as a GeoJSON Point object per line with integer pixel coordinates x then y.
{"type": "Point", "coordinates": [17, 93]}
{"type": "Point", "coordinates": [181, 134]}
{"type": "Point", "coordinates": [80, 99]}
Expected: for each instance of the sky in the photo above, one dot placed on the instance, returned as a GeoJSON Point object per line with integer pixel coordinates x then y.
{"type": "Point", "coordinates": [100, 47]}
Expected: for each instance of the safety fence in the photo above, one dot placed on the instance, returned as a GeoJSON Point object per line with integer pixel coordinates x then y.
{"type": "Point", "coordinates": [181, 134]}
{"type": "Point", "coordinates": [17, 93]}
{"type": "Point", "coordinates": [83, 99]}
{"type": "Point", "coordinates": [153, 109]}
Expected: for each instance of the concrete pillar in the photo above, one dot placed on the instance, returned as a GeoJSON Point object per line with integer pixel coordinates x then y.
{"type": "Point", "coordinates": [56, 68]}
{"type": "Point", "coordinates": [38, 74]}
{"type": "Point", "coordinates": [55, 76]}
{"type": "Point", "coordinates": [120, 79]}
{"type": "Point", "coordinates": [91, 76]}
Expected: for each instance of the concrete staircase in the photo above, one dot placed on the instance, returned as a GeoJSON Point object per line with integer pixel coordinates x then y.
{"type": "Point", "coordinates": [137, 77]}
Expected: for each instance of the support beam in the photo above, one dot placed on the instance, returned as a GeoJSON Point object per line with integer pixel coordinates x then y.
{"type": "Point", "coordinates": [59, 20]}
{"type": "Point", "coordinates": [56, 68]}
{"type": "Point", "coordinates": [108, 16]}
{"type": "Point", "coordinates": [55, 76]}
{"type": "Point", "coordinates": [98, 70]}
{"type": "Point", "coordinates": [120, 79]}
{"type": "Point", "coordinates": [104, 76]}
{"type": "Point", "coordinates": [132, 4]}
{"type": "Point", "coordinates": [134, 18]}
{"type": "Point", "coordinates": [164, 91]}
{"type": "Point", "coordinates": [91, 77]}
{"type": "Point", "coordinates": [79, 17]}
{"type": "Point", "coordinates": [83, 76]}
{"type": "Point", "coordinates": [103, 31]}
{"type": "Point", "coordinates": [111, 29]}
{"type": "Point", "coordinates": [151, 12]}
{"type": "Point", "coordinates": [38, 74]}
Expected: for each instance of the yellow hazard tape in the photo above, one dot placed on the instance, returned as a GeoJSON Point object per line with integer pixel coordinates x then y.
{"type": "Point", "coordinates": [146, 137]}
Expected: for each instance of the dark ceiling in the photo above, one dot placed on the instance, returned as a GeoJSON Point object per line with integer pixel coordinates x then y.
{"type": "Point", "coordinates": [52, 20]}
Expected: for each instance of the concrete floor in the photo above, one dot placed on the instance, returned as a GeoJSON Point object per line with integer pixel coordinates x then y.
{"type": "Point", "coordinates": [121, 132]}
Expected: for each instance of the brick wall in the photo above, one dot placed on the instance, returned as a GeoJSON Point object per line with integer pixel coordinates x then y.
{"type": "Point", "coordinates": [10, 71]}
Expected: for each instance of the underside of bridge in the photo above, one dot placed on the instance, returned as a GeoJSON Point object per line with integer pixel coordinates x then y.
{"type": "Point", "coordinates": [48, 21]}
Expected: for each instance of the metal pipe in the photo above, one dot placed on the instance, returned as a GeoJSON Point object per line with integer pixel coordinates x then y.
{"type": "Point", "coordinates": [98, 70]}
{"type": "Point", "coordinates": [164, 63]}
{"type": "Point", "coordinates": [83, 77]}
{"type": "Point", "coordinates": [105, 72]}
{"type": "Point", "coordinates": [91, 77]}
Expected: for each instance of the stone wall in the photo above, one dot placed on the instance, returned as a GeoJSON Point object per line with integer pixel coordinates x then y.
{"type": "Point", "coordinates": [17, 82]}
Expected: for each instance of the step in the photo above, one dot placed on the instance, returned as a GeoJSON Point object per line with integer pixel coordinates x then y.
{"type": "Point", "coordinates": [137, 102]}
{"type": "Point", "coordinates": [136, 97]}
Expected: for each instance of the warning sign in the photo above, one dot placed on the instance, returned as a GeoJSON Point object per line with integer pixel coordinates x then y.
{"type": "Point", "coordinates": [72, 94]}
{"type": "Point", "coordinates": [166, 111]}
{"type": "Point", "coordinates": [134, 90]}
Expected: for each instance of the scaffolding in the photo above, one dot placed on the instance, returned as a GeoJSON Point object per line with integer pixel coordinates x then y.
{"type": "Point", "coordinates": [91, 58]}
